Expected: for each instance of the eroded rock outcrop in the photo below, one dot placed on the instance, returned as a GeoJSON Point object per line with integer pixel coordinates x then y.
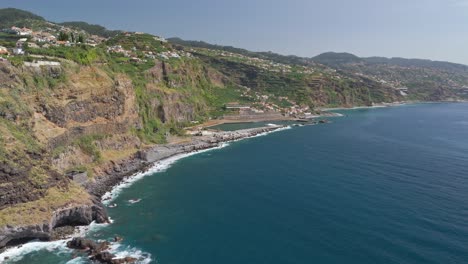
{"type": "Point", "coordinates": [70, 216]}
{"type": "Point", "coordinates": [98, 251]}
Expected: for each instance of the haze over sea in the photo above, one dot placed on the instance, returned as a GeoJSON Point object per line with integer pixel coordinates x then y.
{"type": "Point", "coordinates": [386, 185]}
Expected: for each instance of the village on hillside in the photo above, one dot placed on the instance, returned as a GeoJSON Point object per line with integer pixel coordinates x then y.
{"type": "Point", "coordinates": [27, 41]}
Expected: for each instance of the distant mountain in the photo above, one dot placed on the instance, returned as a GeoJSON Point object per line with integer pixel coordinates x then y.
{"type": "Point", "coordinates": [287, 59]}
{"type": "Point", "coordinates": [335, 58]}
{"type": "Point", "coordinates": [16, 17]}
{"type": "Point", "coordinates": [202, 44]}
{"type": "Point", "coordinates": [91, 28]}
{"type": "Point", "coordinates": [416, 63]}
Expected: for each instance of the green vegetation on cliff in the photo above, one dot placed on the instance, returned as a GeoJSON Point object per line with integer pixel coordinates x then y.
{"type": "Point", "coordinates": [85, 106]}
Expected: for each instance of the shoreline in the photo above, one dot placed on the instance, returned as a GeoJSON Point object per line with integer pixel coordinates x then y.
{"type": "Point", "coordinates": [107, 187]}
{"type": "Point", "coordinates": [383, 105]}
{"type": "Point", "coordinates": [154, 159]}
{"type": "Point", "coordinates": [216, 122]}
{"type": "Point", "coordinates": [144, 160]}
{"type": "Point", "coordinates": [394, 104]}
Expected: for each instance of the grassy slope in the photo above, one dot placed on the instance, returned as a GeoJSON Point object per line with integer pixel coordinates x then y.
{"type": "Point", "coordinates": [40, 211]}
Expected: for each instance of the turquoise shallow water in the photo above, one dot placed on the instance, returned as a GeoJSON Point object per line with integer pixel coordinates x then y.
{"type": "Point", "coordinates": [376, 186]}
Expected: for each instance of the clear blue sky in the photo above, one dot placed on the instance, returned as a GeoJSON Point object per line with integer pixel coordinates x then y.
{"type": "Point", "coordinates": [430, 29]}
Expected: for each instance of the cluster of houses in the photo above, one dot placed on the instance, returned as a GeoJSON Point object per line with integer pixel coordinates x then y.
{"type": "Point", "coordinates": [118, 49]}
{"type": "Point", "coordinates": [261, 108]}
{"type": "Point", "coordinates": [44, 38]}
{"type": "Point", "coordinates": [20, 31]}
{"type": "Point", "coordinates": [173, 54]}
{"type": "Point", "coordinates": [49, 36]}
{"type": "Point", "coordinates": [148, 54]}
{"type": "Point", "coordinates": [263, 104]}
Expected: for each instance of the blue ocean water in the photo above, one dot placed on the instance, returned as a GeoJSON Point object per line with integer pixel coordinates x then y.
{"type": "Point", "coordinates": [383, 185]}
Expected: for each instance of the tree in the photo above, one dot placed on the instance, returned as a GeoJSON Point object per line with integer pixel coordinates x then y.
{"type": "Point", "coordinates": [63, 36]}
{"type": "Point", "coordinates": [81, 38]}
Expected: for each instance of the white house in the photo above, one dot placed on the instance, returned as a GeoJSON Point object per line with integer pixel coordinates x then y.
{"type": "Point", "coordinates": [18, 51]}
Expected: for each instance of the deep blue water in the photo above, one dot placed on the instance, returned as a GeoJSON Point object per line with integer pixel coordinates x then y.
{"type": "Point", "coordinates": [376, 186]}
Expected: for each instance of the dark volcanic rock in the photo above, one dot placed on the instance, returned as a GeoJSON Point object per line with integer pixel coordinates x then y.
{"type": "Point", "coordinates": [126, 260]}
{"type": "Point", "coordinates": [73, 216]}
{"type": "Point", "coordinates": [109, 258]}
{"type": "Point", "coordinates": [62, 232]}
{"type": "Point", "coordinates": [104, 257]}
{"type": "Point", "coordinates": [98, 251]}
{"type": "Point", "coordinates": [82, 244]}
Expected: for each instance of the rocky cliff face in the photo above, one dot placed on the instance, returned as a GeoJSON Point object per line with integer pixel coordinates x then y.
{"type": "Point", "coordinates": [54, 120]}
{"type": "Point", "coordinates": [70, 216]}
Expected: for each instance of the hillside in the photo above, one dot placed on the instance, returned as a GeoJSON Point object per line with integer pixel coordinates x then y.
{"type": "Point", "coordinates": [442, 65]}
{"type": "Point", "coordinates": [77, 99]}
{"type": "Point", "coordinates": [417, 79]}
{"type": "Point", "coordinates": [334, 59]}
{"type": "Point", "coordinates": [290, 59]}
{"type": "Point", "coordinates": [16, 17]}
{"type": "Point", "coordinates": [91, 28]}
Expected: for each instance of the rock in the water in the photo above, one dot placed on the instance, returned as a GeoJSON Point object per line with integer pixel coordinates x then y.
{"type": "Point", "coordinates": [104, 257]}
{"type": "Point", "coordinates": [126, 260]}
{"type": "Point", "coordinates": [82, 244]}
{"type": "Point", "coordinates": [98, 251]}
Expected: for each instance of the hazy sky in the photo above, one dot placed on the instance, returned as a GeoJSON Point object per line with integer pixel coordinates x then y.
{"type": "Point", "coordinates": [431, 29]}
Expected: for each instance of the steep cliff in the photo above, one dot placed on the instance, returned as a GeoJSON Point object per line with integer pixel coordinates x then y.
{"type": "Point", "coordinates": [85, 117]}
{"type": "Point", "coordinates": [95, 109]}
{"type": "Point", "coordinates": [60, 119]}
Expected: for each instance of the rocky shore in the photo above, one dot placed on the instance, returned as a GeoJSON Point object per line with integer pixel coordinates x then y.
{"type": "Point", "coordinates": [64, 219]}
{"type": "Point", "coordinates": [72, 216]}
{"type": "Point", "coordinates": [145, 158]}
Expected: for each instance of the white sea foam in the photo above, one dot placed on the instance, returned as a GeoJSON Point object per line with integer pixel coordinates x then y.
{"type": "Point", "coordinates": [57, 247]}
{"type": "Point", "coordinates": [60, 247]}
{"type": "Point", "coordinates": [159, 166]}
{"type": "Point", "coordinates": [163, 165]}
{"type": "Point", "coordinates": [122, 251]}
{"type": "Point", "coordinates": [81, 231]}
{"type": "Point", "coordinates": [17, 253]}
{"type": "Point", "coordinates": [79, 260]}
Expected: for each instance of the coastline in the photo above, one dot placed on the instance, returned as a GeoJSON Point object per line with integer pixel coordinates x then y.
{"type": "Point", "coordinates": [382, 105]}
{"type": "Point", "coordinates": [144, 160]}
{"type": "Point", "coordinates": [106, 187]}
{"type": "Point", "coordinates": [147, 161]}
{"type": "Point", "coordinates": [394, 104]}
{"type": "Point", "coordinates": [216, 122]}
